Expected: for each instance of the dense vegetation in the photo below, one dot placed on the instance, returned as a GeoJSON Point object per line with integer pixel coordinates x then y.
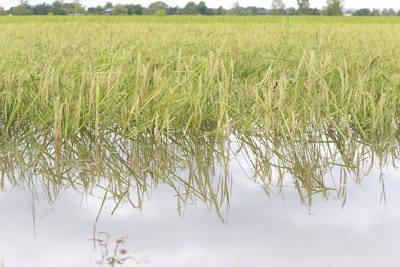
{"type": "Point", "coordinates": [277, 7]}
{"type": "Point", "coordinates": [222, 73]}
{"type": "Point", "coordinates": [302, 93]}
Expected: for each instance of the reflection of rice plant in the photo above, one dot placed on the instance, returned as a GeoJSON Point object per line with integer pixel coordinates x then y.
{"type": "Point", "coordinates": [112, 252]}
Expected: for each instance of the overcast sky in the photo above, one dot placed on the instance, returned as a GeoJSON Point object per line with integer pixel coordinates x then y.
{"type": "Point", "coordinates": [225, 3]}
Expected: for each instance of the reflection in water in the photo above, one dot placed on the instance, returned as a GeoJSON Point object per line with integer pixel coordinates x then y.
{"type": "Point", "coordinates": [307, 161]}
{"type": "Point", "coordinates": [112, 252]}
{"type": "Point", "coordinates": [199, 167]}
{"type": "Point", "coordinates": [195, 166]}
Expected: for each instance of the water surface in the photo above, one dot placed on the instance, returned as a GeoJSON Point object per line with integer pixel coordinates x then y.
{"type": "Point", "coordinates": [229, 211]}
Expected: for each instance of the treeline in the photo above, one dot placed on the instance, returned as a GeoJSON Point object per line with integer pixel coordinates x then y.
{"type": "Point", "coordinates": [333, 8]}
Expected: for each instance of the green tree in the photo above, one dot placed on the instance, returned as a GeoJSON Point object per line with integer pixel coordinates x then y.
{"type": "Point", "coordinates": [130, 8]}
{"type": "Point", "coordinates": [119, 10]}
{"type": "Point", "coordinates": [20, 10]}
{"type": "Point", "coordinates": [252, 10]}
{"type": "Point", "coordinates": [174, 10]}
{"type": "Point", "coordinates": [221, 11]}
{"type": "Point", "coordinates": [375, 12]}
{"type": "Point", "coordinates": [334, 8]}
{"type": "Point", "coordinates": [291, 11]}
{"type": "Point", "coordinates": [315, 12]}
{"type": "Point", "coordinates": [41, 9]}
{"type": "Point", "coordinates": [362, 12]}
{"type": "Point", "coordinates": [278, 7]}
{"type": "Point", "coordinates": [304, 7]}
{"type": "Point", "coordinates": [210, 12]}
{"type": "Point", "coordinates": [77, 8]}
{"type": "Point", "coordinates": [238, 10]}
{"type": "Point", "coordinates": [92, 11]}
{"type": "Point", "coordinates": [2, 11]}
{"type": "Point", "coordinates": [155, 6]}
{"type": "Point", "coordinates": [96, 10]}
{"type": "Point", "coordinates": [161, 12]}
{"type": "Point", "coordinates": [139, 10]}
{"type": "Point", "coordinates": [58, 8]}
{"type": "Point", "coordinates": [202, 8]}
{"type": "Point", "coordinates": [191, 8]}
{"type": "Point", "coordinates": [388, 12]}
{"type": "Point", "coordinates": [73, 8]}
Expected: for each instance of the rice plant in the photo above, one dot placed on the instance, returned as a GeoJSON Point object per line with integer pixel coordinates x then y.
{"type": "Point", "coordinates": [180, 89]}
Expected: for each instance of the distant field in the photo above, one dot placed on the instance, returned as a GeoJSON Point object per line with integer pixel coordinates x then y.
{"type": "Point", "coordinates": [280, 75]}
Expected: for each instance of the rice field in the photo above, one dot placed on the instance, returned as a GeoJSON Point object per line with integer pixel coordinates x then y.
{"type": "Point", "coordinates": [274, 75]}
{"type": "Point", "coordinates": [298, 94]}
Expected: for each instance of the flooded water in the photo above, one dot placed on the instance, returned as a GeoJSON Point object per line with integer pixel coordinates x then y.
{"type": "Point", "coordinates": [204, 202]}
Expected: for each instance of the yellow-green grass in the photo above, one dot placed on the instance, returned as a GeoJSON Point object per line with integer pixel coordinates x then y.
{"type": "Point", "coordinates": [218, 74]}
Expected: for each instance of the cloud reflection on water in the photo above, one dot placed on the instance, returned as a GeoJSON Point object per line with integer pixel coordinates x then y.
{"type": "Point", "coordinates": [260, 232]}
{"type": "Point", "coordinates": [262, 229]}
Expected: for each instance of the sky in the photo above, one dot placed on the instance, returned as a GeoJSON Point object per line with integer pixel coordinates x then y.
{"type": "Point", "coordinates": [225, 3]}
